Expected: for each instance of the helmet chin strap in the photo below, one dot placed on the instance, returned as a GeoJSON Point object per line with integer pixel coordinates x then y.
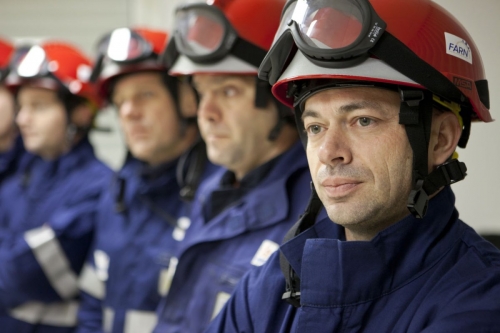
{"type": "Point", "coordinates": [172, 85]}
{"type": "Point", "coordinates": [416, 115]}
{"type": "Point", "coordinates": [262, 97]}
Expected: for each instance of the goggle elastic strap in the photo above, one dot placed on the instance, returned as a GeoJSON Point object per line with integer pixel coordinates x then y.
{"type": "Point", "coordinates": [397, 55]}
{"type": "Point", "coordinates": [241, 49]}
{"type": "Point", "coordinates": [306, 220]}
{"type": "Point", "coordinates": [96, 71]}
{"type": "Point", "coordinates": [248, 52]}
{"type": "Point", "coordinates": [170, 54]}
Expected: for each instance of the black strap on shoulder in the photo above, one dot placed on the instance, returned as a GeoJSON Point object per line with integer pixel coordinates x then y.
{"type": "Point", "coordinates": [120, 205]}
{"type": "Point", "coordinates": [306, 220]}
{"type": "Point", "coordinates": [190, 168]}
{"type": "Point", "coordinates": [153, 207]}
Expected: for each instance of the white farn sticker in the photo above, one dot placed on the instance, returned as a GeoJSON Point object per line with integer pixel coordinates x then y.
{"type": "Point", "coordinates": [458, 47]}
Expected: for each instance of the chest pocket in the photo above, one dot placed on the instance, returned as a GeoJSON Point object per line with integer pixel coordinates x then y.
{"type": "Point", "coordinates": [211, 293]}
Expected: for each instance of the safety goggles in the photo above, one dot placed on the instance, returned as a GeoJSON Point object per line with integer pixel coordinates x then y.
{"type": "Point", "coordinates": [122, 46]}
{"type": "Point", "coordinates": [32, 62]}
{"type": "Point", "coordinates": [205, 35]}
{"type": "Point", "coordinates": [331, 33]}
{"type": "Point", "coordinates": [342, 34]}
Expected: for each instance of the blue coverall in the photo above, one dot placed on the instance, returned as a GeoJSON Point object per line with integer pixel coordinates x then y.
{"type": "Point", "coordinates": [140, 222]}
{"type": "Point", "coordinates": [430, 275]}
{"type": "Point", "coordinates": [48, 209]}
{"type": "Point", "coordinates": [9, 160]}
{"type": "Point", "coordinates": [221, 246]}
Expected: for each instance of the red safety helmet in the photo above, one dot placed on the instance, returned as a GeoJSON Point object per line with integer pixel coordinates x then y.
{"type": "Point", "coordinates": [428, 39]}
{"type": "Point", "coordinates": [127, 50]}
{"type": "Point", "coordinates": [52, 65]}
{"type": "Point", "coordinates": [222, 36]}
{"type": "Point", "coordinates": [6, 50]}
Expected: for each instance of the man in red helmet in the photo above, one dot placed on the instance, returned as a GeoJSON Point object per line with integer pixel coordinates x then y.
{"type": "Point", "coordinates": [384, 92]}
{"type": "Point", "coordinates": [141, 217]}
{"type": "Point", "coordinates": [241, 214]}
{"type": "Point", "coordinates": [48, 204]}
{"type": "Point", "coordinates": [11, 147]}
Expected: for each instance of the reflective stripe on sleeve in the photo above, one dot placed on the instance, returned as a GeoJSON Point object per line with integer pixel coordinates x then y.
{"type": "Point", "coordinates": [108, 316]}
{"type": "Point", "coordinates": [51, 257]}
{"type": "Point", "coordinates": [140, 321]}
{"type": "Point", "coordinates": [62, 314]}
{"type": "Point", "coordinates": [90, 283]}
{"type": "Point", "coordinates": [166, 277]}
{"type": "Point", "coordinates": [220, 301]}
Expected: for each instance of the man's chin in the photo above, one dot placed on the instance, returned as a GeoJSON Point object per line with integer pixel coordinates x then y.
{"type": "Point", "coordinates": [32, 147]}
{"type": "Point", "coordinates": [216, 155]}
{"type": "Point", "coordinates": [140, 152]}
{"type": "Point", "coordinates": [345, 214]}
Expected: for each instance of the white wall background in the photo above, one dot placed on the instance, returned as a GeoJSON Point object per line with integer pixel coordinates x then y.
{"type": "Point", "coordinates": [83, 22]}
{"type": "Point", "coordinates": [478, 196]}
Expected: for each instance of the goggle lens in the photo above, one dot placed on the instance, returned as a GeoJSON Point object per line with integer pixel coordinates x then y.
{"type": "Point", "coordinates": [125, 45]}
{"type": "Point", "coordinates": [329, 24]}
{"type": "Point", "coordinates": [201, 32]}
{"type": "Point", "coordinates": [29, 61]}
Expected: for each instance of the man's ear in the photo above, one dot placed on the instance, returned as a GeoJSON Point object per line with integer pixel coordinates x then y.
{"type": "Point", "coordinates": [445, 134]}
{"type": "Point", "coordinates": [82, 115]}
{"type": "Point", "coordinates": [187, 100]}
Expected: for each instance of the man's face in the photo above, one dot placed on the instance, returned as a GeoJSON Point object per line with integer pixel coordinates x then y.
{"type": "Point", "coordinates": [42, 120]}
{"type": "Point", "coordinates": [148, 117]}
{"type": "Point", "coordinates": [359, 156]}
{"type": "Point", "coordinates": [235, 131]}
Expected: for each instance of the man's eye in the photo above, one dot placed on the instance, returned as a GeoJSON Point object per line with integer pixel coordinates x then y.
{"type": "Point", "coordinates": [365, 121]}
{"type": "Point", "coordinates": [146, 94]}
{"type": "Point", "coordinates": [40, 106]}
{"type": "Point", "coordinates": [230, 91]}
{"type": "Point", "coordinates": [314, 129]}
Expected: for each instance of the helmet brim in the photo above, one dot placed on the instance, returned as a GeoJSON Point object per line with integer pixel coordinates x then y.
{"type": "Point", "coordinates": [371, 70]}
{"type": "Point", "coordinates": [229, 65]}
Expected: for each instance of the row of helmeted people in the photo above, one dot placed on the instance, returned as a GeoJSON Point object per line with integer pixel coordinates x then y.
{"type": "Point", "coordinates": [88, 250]}
{"type": "Point", "coordinates": [160, 245]}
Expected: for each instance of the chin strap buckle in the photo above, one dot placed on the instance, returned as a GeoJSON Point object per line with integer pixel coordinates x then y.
{"type": "Point", "coordinates": [292, 298]}
{"type": "Point", "coordinates": [418, 200]}
{"type": "Point", "coordinates": [453, 171]}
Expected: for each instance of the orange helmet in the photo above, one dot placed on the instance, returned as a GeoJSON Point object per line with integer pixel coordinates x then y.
{"type": "Point", "coordinates": [52, 65]}
{"type": "Point", "coordinates": [415, 45]}
{"type": "Point", "coordinates": [222, 36]}
{"type": "Point", "coordinates": [6, 50]}
{"type": "Point", "coordinates": [127, 50]}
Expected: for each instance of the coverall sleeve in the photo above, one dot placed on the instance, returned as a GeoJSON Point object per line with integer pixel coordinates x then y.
{"type": "Point", "coordinates": [92, 291]}
{"type": "Point", "coordinates": [42, 264]}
